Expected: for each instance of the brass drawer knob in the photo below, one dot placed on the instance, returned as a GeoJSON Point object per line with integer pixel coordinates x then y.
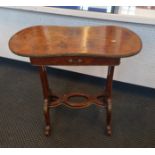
{"type": "Point", "coordinates": [70, 60]}
{"type": "Point", "coordinates": [74, 60]}
{"type": "Point", "coordinates": [79, 60]}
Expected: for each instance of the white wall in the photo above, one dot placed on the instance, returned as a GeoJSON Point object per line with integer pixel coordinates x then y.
{"type": "Point", "coordinates": [139, 70]}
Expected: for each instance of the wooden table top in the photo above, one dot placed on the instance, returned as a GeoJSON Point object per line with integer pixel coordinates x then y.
{"type": "Point", "coordinates": [99, 41]}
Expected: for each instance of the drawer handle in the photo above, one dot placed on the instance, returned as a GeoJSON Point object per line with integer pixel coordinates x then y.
{"type": "Point", "coordinates": [74, 60]}
{"type": "Point", "coordinates": [79, 60]}
{"type": "Point", "coordinates": [70, 60]}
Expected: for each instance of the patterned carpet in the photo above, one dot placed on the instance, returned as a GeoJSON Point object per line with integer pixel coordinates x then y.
{"type": "Point", "coordinates": [21, 115]}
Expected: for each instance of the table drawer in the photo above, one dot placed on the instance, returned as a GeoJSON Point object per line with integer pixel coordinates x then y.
{"type": "Point", "coordinates": [75, 61]}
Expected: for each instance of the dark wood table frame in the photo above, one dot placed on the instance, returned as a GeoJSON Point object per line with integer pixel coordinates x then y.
{"type": "Point", "coordinates": [51, 100]}
{"type": "Point", "coordinates": [76, 46]}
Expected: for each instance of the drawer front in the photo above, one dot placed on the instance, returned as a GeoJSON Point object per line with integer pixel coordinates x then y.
{"type": "Point", "coordinates": [75, 61]}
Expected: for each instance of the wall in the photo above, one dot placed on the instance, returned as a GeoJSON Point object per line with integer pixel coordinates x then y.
{"type": "Point", "coordinates": [139, 70]}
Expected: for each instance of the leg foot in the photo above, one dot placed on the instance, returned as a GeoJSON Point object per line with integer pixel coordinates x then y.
{"type": "Point", "coordinates": [109, 131]}
{"type": "Point", "coordinates": [47, 130]}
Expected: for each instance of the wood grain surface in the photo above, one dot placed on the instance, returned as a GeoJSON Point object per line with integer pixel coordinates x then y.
{"type": "Point", "coordinates": [98, 41]}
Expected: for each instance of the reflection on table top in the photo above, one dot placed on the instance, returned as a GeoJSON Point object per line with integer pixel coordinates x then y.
{"type": "Point", "coordinates": [102, 41]}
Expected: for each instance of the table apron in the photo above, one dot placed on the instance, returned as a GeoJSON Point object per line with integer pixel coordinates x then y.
{"type": "Point", "coordinates": [75, 61]}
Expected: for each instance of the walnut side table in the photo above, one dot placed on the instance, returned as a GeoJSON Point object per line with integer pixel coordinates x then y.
{"type": "Point", "coordinates": [76, 46]}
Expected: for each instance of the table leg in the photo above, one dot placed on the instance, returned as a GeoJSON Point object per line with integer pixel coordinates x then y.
{"type": "Point", "coordinates": [108, 93]}
{"type": "Point", "coordinates": [46, 93]}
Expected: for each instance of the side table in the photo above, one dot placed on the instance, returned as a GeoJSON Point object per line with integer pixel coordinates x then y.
{"type": "Point", "coordinates": [75, 46]}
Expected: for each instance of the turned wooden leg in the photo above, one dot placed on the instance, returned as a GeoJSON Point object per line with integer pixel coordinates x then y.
{"type": "Point", "coordinates": [46, 93]}
{"type": "Point", "coordinates": [108, 93]}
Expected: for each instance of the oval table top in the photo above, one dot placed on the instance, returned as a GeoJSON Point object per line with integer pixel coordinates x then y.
{"type": "Point", "coordinates": [99, 41]}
